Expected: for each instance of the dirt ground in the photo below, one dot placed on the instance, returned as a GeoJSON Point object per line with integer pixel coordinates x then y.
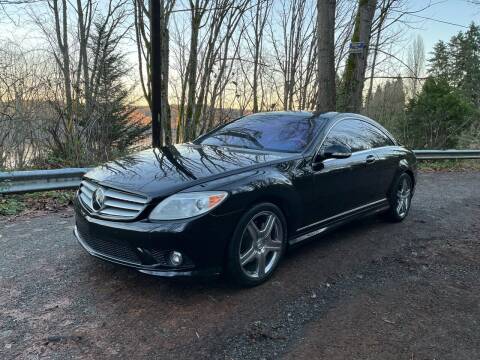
{"type": "Point", "coordinates": [371, 290]}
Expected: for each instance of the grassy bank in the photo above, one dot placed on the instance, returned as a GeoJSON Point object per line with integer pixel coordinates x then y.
{"type": "Point", "coordinates": [449, 165]}
{"type": "Point", "coordinates": [11, 205]}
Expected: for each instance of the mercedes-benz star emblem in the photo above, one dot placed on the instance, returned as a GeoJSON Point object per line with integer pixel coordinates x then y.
{"type": "Point", "coordinates": [98, 199]}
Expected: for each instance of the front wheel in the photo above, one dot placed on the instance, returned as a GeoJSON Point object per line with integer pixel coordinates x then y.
{"type": "Point", "coordinates": [257, 246]}
{"type": "Point", "coordinates": [400, 198]}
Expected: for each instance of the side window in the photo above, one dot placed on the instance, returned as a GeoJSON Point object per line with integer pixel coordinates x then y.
{"type": "Point", "coordinates": [350, 133]}
{"type": "Point", "coordinates": [375, 136]}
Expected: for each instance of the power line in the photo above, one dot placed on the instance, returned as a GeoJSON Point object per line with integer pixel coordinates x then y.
{"type": "Point", "coordinates": [397, 77]}
{"type": "Point", "coordinates": [431, 19]}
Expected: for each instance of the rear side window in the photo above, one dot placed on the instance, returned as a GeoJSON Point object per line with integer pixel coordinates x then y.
{"type": "Point", "coordinates": [375, 136]}
{"type": "Point", "coordinates": [358, 135]}
{"type": "Point", "coordinates": [349, 133]}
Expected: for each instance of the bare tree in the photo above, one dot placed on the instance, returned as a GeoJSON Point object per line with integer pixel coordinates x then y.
{"type": "Point", "coordinates": [186, 122]}
{"type": "Point", "coordinates": [24, 80]}
{"type": "Point", "coordinates": [296, 23]}
{"type": "Point", "coordinates": [385, 7]}
{"type": "Point", "coordinates": [214, 46]}
{"type": "Point", "coordinates": [80, 58]}
{"type": "Point", "coordinates": [226, 16]}
{"type": "Point", "coordinates": [416, 63]}
{"type": "Point", "coordinates": [219, 59]}
{"type": "Point", "coordinates": [262, 11]}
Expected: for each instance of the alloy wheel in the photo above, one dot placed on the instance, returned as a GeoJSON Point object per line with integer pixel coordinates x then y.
{"type": "Point", "coordinates": [403, 197]}
{"type": "Point", "coordinates": [261, 245]}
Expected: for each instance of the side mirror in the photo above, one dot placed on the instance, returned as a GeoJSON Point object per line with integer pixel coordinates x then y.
{"type": "Point", "coordinates": [335, 151]}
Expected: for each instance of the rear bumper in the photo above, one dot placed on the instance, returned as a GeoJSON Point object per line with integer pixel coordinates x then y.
{"type": "Point", "coordinates": [146, 246]}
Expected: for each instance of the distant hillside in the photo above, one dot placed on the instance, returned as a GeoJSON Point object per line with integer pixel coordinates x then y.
{"type": "Point", "coordinates": [143, 114]}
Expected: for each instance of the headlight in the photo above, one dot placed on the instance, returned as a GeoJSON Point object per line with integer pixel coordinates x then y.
{"type": "Point", "coordinates": [186, 205]}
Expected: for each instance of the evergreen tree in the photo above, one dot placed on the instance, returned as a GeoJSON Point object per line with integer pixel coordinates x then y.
{"type": "Point", "coordinates": [469, 54]}
{"type": "Point", "coordinates": [440, 62]}
{"type": "Point", "coordinates": [459, 63]}
{"type": "Point", "coordinates": [116, 131]}
{"type": "Point", "coordinates": [456, 68]}
{"type": "Point", "coordinates": [437, 117]}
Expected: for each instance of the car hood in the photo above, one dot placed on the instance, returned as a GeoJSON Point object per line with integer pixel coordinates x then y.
{"type": "Point", "coordinates": [163, 171]}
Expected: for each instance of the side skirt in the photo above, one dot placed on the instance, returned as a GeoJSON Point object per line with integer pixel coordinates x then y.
{"type": "Point", "coordinates": [339, 220]}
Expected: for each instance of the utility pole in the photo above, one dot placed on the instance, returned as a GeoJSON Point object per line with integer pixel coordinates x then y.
{"type": "Point", "coordinates": [156, 70]}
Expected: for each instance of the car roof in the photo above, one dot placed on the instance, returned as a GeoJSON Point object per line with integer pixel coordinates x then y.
{"type": "Point", "coordinates": [284, 113]}
{"type": "Point", "coordinates": [299, 113]}
{"type": "Point", "coordinates": [330, 117]}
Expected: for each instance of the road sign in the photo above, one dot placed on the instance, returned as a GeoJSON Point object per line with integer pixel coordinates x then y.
{"type": "Point", "coordinates": [357, 47]}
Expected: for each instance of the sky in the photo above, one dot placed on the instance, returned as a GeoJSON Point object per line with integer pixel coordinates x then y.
{"type": "Point", "coordinates": [460, 12]}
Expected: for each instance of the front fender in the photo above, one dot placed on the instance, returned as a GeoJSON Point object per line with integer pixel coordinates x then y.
{"type": "Point", "coordinates": [269, 184]}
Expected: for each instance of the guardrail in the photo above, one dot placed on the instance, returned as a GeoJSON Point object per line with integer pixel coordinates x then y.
{"type": "Point", "coordinates": [17, 182]}
{"type": "Point", "coordinates": [446, 154]}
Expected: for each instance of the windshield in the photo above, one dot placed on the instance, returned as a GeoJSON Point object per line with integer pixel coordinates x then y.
{"type": "Point", "coordinates": [273, 132]}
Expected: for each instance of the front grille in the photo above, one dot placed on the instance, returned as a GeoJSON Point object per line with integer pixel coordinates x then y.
{"type": "Point", "coordinates": [116, 250]}
{"type": "Point", "coordinates": [117, 204]}
{"type": "Point", "coordinates": [160, 256]}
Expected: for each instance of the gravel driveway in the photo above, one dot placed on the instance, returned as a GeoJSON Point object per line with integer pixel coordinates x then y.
{"type": "Point", "coordinates": [372, 290]}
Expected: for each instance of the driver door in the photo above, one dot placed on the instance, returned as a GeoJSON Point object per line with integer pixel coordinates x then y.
{"type": "Point", "coordinates": [341, 185]}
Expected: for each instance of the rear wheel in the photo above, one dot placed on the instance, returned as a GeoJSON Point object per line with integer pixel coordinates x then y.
{"type": "Point", "coordinates": [257, 246]}
{"type": "Point", "coordinates": [400, 198]}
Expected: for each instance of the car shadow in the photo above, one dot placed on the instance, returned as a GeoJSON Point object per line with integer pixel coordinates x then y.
{"type": "Point", "coordinates": [343, 232]}
{"type": "Point", "coordinates": [298, 259]}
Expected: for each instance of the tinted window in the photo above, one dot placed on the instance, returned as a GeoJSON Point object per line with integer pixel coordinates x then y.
{"type": "Point", "coordinates": [375, 136]}
{"type": "Point", "coordinates": [349, 133]}
{"type": "Point", "coordinates": [279, 132]}
{"type": "Point", "coordinates": [358, 135]}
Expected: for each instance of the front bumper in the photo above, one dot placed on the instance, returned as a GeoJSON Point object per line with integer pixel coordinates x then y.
{"type": "Point", "coordinates": [146, 245]}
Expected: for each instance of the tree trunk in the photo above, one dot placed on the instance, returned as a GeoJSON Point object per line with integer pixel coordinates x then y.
{"type": "Point", "coordinates": [84, 57]}
{"type": "Point", "coordinates": [261, 14]}
{"type": "Point", "coordinates": [165, 109]}
{"type": "Point", "coordinates": [326, 93]}
{"type": "Point", "coordinates": [153, 51]}
{"type": "Point", "coordinates": [189, 125]}
{"type": "Point", "coordinates": [156, 71]}
{"type": "Point", "coordinates": [354, 75]}
{"type": "Point", "coordinates": [191, 83]}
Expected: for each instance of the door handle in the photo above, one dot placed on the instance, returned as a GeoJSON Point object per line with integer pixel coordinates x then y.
{"type": "Point", "coordinates": [370, 159]}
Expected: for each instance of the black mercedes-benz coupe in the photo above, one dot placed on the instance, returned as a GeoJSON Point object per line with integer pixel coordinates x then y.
{"type": "Point", "coordinates": [238, 197]}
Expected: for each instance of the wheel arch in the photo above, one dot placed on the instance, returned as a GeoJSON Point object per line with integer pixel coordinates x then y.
{"type": "Point", "coordinates": [406, 166]}
{"type": "Point", "coordinates": [412, 176]}
{"type": "Point", "coordinates": [285, 205]}
{"type": "Point", "coordinates": [402, 169]}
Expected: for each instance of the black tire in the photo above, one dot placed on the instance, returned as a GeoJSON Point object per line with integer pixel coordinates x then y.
{"type": "Point", "coordinates": [397, 213]}
{"type": "Point", "coordinates": [242, 238]}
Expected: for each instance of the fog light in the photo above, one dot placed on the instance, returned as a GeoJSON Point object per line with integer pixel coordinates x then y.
{"type": "Point", "coordinates": [176, 258]}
